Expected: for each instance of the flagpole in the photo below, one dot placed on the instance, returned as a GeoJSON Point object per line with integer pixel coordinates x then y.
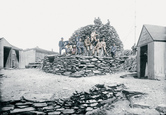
{"type": "Point", "coordinates": [135, 24]}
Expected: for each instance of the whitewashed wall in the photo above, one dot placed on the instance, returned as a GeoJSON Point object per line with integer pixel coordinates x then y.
{"type": "Point", "coordinates": [28, 57]}
{"type": "Point", "coordinates": [160, 60]}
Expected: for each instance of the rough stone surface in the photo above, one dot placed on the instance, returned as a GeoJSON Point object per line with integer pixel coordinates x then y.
{"type": "Point", "coordinates": [161, 108]}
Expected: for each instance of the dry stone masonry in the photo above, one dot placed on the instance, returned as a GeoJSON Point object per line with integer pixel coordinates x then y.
{"type": "Point", "coordinates": [104, 31]}
{"type": "Point", "coordinates": [82, 66]}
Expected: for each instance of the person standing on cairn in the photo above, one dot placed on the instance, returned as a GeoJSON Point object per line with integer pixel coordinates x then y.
{"type": "Point", "coordinates": [62, 46]}
{"type": "Point", "coordinates": [113, 50]}
{"type": "Point", "coordinates": [87, 45]}
{"type": "Point", "coordinates": [77, 38]}
{"type": "Point", "coordinates": [93, 40]}
{"type": "Point", "coordinates": [80, 47]}
{"type": "Point", "coordinates": [93, 36]}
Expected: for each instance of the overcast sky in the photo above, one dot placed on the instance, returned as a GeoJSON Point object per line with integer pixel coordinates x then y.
{"type": "Point", "coordinates": [31, 23]}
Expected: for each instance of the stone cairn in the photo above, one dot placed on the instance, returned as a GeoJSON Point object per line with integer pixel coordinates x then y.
{"type": "Point", "coordinates": [81, 66]}
{"type": "Point", "coordinates": [78, 103]}
{"type": "Point", "coordinates": [104, 31]}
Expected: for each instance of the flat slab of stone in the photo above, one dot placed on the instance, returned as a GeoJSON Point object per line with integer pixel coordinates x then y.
{"type": "Point", "coordinates": [92, 101]}
{"type": "Point", "coordinates": [60, 109]}
{"type": "Point", "coordinates": [94, 60]}
{"type": "Point", "coordinates": [8, 108]}
{"type": "Point", "coordinates": [37, 112]}
{"type": "Point", "coordinates": [48, 108]}
{"type": "Point", "coordinates": [22, 110]}
{"type": "Point", "coordinates": [38, 97]}
{"type": "Point", "coordinates": [93, 104]}
{"type": "Point", "coordinates": [140, 105]}
{"type": "Point", "coordinates": [54, 113]}
{"type": "Point", "coordinates": [90, 66]}
{"type": "Point", "coordinates": [23, 104]}
{"type": "Point", "coordinates": [89, 109]}
{"type": "Point", "coordinates": [68, 111]}
{"type": "Point", "coordinates": [39, 104]}
{"type": "Point", "coordinates": [66, 73]}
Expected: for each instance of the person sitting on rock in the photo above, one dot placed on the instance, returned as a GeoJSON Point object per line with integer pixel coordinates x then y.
{"type": "Point", "coordinates": [93, 36]}
{"type": "Point", "coordinates": [100, 45]}
{"type": "Point", "coordinates": [62, 46]}
{"type": "Point", "coordinates": [96, 47]}
{"type": "Point", "coordinates": [80, 47]}
{"type": "Point", "coordinates": [69, 49]}
{"type": "Point", "coordinates": [87, 43]}
{"type": "Point", "coordinates": [74, 50]}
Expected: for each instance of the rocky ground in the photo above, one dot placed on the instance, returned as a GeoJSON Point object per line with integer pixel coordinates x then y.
{"type": "Point", "coordinates": [36, 85]}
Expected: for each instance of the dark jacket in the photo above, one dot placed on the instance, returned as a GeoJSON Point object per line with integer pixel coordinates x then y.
{"type": "Point", "coordinates": [61, 44]}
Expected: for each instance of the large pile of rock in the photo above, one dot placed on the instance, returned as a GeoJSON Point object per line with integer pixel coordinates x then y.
{"type": "Point", "coordinates": [79, 66]}
{"type": "Point", "coordinates": [78, 103]}
{"type": "Point", "coordinates": [104, 31]}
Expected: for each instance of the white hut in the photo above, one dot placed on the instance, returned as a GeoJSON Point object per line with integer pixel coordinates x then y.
{"type": "Point", "coordinates": [152, 52]}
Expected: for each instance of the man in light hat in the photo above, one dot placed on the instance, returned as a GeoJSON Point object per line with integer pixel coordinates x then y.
{"type": "Point", "coordinates": [62, 46]}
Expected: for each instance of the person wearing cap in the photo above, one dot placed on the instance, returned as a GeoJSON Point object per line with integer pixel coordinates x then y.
{"type": "Point", "coordinates": [62, 46]}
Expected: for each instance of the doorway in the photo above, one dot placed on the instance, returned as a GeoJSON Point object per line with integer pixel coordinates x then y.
{"type": "Point", "coordinates": [6, 51]}
{"type": "Point", "coordinates": [143, 61]}
{"type": "Point", "coordinates": [11, 58]}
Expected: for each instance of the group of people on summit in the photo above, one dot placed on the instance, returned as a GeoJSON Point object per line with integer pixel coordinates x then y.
{"type": "Point", "coordinates": [90, 44]}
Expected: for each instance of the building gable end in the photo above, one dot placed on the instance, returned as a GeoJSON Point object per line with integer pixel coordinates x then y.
{"type": "Point", "coordinates": [145, 37]}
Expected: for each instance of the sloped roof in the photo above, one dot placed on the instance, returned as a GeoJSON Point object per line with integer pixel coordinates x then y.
{"type": "Point", "coordinates": [14, 47]}
{"type": "Point", "coordinates": [158, 33]}
{"type": "Point", "coordinates": [41, 50]}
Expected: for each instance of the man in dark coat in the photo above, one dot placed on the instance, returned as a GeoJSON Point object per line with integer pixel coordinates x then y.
{"type": "Point", "coordinates": [62, 46]}
{"type": "Point", "coordinates": [113, 50]}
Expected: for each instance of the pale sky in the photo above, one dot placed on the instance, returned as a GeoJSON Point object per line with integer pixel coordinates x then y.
{"type": "Point", "coordinates": [31, 23]}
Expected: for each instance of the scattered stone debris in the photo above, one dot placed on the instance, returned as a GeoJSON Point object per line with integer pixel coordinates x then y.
{"type": "Point", "coordinates": [100, 100]}
{"type": "Point", "coordinates": [78, 103]}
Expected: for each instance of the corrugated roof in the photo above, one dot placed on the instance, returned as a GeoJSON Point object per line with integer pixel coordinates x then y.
{"type": "Point", "coordinates": [158, 33]}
